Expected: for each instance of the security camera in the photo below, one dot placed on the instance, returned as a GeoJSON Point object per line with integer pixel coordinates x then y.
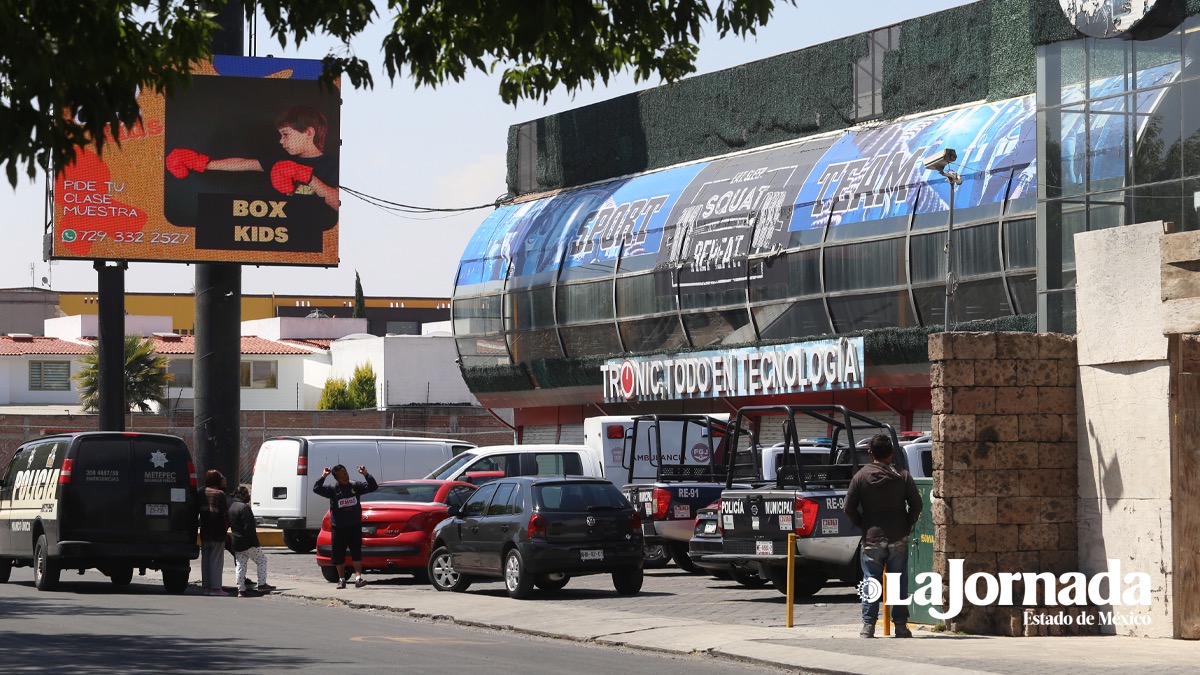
{"type": "Point", "coordinates": [941, 160]}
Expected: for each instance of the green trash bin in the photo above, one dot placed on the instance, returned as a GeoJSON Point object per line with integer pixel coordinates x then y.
{"type": "Point", "coordinates": [920, 549]}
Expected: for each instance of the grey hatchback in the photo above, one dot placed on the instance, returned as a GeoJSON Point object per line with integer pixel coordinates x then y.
{"type": "Point", "coordinates": [539, 531]}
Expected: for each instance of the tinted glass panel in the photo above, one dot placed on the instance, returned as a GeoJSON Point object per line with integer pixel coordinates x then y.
{"type": "Point", "coordinates": [731, 326]}
{"type": "Point", "coordinates": [794, 319]}
{"type": "Point", "coordinates": [928, 257]}
{"type": "Point", "coordinates": [531, 309]}
{"type": "Point", "coordinates": [555, 463]}
{"type": "Point", "coordinates": [406, 492]}
{"type": "Point", "coordinates": [792, 275]}
{"type": "Point", "coordinates": [571, 497]}
{"type": "Point", "coordinates": [645, 294]}
{"type": "Point", "coordinates": [541, 344]}
{"type": "Point", "coordinates": [981, 299]}
{"type": "Point", "coordinates": [478, 503]}
{"type": "Point", "coordinates": [590, 340]}
{"type": "Point", "coordinates": [877, 310]}
{"type": "Point", "coordinates": [477, 316]}
{"type": "Point", "coordinates": [873, 264]}
{"type": "Point", "coordinates": [482, 351]}
{"type": "Point", "coordinates": [581, 303]}
{"type": "Point", "coordinates": [977, 250]}
{"type": "Point", "coordinates": [653, 334]}
{"type": "Point", "coordinates": [501, 504]}
{"type": "Point", "coordinates": [1020, 245]}
{"type": "Point", "coordinates": [1024, 290]}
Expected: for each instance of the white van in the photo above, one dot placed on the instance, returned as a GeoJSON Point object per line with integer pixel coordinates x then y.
{"type": "Point", "coordinates": [281, 488]}
{"type": "Point", "coordinates": [610, 437]}
{"type": "Point", "coordinates": [481, 465]}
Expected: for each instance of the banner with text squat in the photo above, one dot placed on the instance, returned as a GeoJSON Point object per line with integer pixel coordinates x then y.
{"type": "Point", "coordinates": [820, 365]}
{"type": "Point", "coordinates": [241, 166]}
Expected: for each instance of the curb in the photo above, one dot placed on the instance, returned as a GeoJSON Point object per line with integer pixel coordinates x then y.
{"type": "Point", "coordinates": [270, 538]}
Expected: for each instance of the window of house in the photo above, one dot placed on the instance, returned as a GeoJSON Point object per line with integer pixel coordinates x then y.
{"type": "Point", "coordinates": [868, 73]}
{"type": "Point", "coordinates": [180, 371]}
{"type": "Point", "coordinates": [49, 375]}
{"type": "Point", "coordinates": [259, 375]}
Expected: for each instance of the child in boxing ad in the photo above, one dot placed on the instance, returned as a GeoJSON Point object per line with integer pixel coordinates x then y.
{"type": "Point", "coordinates": [307, 170]}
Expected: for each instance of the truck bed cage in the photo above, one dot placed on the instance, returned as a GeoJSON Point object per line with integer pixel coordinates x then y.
{"type": "Point", "coordinates": [844, 459]}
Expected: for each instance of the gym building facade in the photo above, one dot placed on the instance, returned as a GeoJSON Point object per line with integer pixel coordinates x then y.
{"type": "Point", "coordinates": [792, 230]}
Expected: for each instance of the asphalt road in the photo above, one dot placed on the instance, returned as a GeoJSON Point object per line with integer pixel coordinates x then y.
{"type": "Point", "coordinates": [88, 626]}
{"type": "Point", "coordinates": [666, 592]}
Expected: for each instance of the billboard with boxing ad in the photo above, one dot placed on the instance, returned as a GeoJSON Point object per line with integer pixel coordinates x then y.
{"type": "Point", "coordinates": [241, 166]}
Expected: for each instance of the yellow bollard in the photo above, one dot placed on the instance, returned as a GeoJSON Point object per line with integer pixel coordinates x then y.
{"type": "Point", "coordinates": [887, 611]}
{"type": "Point", "coordinates": [791, 577]}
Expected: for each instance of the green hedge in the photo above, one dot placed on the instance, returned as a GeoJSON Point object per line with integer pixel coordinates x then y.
{"type": "Point", "coordinates": [497, 378]}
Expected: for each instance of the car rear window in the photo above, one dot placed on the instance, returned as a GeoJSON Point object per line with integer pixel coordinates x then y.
{"type": "Point", "coordinates": [412, 492]}
{"type": "Point", "coordinates": [578, 496]}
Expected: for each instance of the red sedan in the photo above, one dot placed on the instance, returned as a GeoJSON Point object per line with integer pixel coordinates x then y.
{"type": "Point", "coordinates": [397, 521]}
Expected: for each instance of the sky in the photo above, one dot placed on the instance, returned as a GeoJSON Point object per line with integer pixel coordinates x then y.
{"type": "Point", "coordinates": [442, 148]}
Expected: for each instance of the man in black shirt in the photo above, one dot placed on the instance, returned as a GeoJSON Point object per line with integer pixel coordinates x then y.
{"type": "Point", "coordinates": [884, 504]}
{"type": "Point", "coordinates": [345, 518]}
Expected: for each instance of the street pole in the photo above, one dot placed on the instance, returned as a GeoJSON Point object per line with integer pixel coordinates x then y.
{"type": "Point", "coordinates": [951, 282]}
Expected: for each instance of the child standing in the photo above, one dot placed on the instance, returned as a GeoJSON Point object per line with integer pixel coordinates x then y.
{"type": "Point", "coordinates": [245, 543]}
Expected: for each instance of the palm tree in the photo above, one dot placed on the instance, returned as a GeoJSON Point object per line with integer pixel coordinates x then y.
{"type": "Point", "coordinates": [146, 376]}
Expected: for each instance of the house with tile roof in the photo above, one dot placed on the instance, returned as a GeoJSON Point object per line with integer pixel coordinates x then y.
{"type": "Point", "coordinates": [285, 362]}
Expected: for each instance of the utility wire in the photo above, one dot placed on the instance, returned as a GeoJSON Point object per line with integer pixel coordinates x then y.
{"type": "Point", "coordinates": [408, 208]}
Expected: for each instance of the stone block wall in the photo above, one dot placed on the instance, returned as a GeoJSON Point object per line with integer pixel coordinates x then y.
{"type": "Point", "coordinates": [1005, 482]}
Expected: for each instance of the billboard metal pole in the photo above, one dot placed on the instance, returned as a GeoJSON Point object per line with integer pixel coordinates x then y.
{"type": "Point", "coordinates": [218, 324]}
{"type": "Point", "coordinates": [110, 287]}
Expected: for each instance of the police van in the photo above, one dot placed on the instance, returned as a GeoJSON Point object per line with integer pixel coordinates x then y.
{"type": "Point", "coordinates": [114, 501]}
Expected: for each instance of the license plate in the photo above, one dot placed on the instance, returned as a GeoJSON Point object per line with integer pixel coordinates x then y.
{"type": "Point", "coordinates": [368, 529]}
{"type": "Point", "coordinates": [591, 555]}
{"type": "Point", "coordinates": [710, 527]}
{"type": "Point", "coordinates": [785, 522]}
{"type": "Point", "coordinates": [156, 509]}
{"type": "Point", "coordinates": [764, 548]}
{"type": "Point", "coordinates": [683, 510]}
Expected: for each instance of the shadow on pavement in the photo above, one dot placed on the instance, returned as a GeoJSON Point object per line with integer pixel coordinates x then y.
{"type": "Point", "coordinates": [61, 604]}
{"type": "Point", "coordinates": [149, 653]}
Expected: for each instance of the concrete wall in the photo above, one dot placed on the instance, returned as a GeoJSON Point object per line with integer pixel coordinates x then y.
{"type": "Point", "coordinates": [1124, 384]}
{"type": "Point", "coordinates": [409, 369]}
{"type": "Point", "coordinates": [470, 424]}
{"type": "Point", "coordinates": [285, 328]}
{"type": "Point", "coordinates": [88, 325]}
{"type": "Point", "coordinates": [1004, 463]}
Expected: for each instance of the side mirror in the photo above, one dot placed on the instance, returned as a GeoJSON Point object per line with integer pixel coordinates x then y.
{"type": "Point", "coordinates": [453, 510]}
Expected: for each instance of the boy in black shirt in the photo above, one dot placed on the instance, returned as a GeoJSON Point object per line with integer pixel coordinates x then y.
{"type": "Point", "coordinates": [345, 518]}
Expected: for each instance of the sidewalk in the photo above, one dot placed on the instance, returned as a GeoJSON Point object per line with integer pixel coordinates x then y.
{"type": "Point", "coordinates": [811, 649]}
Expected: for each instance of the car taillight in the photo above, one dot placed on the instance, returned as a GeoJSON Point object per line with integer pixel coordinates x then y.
{"type": "Point", "coordinates": [537, 526]}
{"type": "Point", "coordinates": [615, 431]}
{"type": "Point", "coordinates": [662, 503]}
{"type": "Point", "coordinates": [192, 482]}
{"type": "Point", "coordinates": [720, 518]}
{"type": "Point", "coordinates": [416, 522]}
{"type": "Point", "coordinates": [302, 466]}
{"type": "Point", "coordinates": [806, 516]}
{"type": "Point", "coordinates": [64, 476]}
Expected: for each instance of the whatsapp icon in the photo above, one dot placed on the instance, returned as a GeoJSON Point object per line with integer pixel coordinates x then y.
{"type": "Point", "coordinates": [69, 236]}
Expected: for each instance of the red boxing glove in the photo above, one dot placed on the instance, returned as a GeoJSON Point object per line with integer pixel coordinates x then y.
{"type": "Point", "coordinates": [182, 160]}
{"type": "Point", "coordinates": [286, 174]}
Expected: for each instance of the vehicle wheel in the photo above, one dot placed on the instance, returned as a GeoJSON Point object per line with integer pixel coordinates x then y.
{"type": "Point", "coordinates": [679, 553]}
{"type": "Point", "coordinates": [552, 582]}
{"type": "Point", "coordinates": [330, 573]}
{"type": "Point", "coordinates": [806, 586]}
{"type": "Point", "coordinates": [45, 570]}
{"type": "Point", "coordinates": [627, 582]}
{"type": "Point", "coordinates": [300, 541]}
{"type": "Point", "coordinates": [655, 557]}
{"type": "Point", "coordinates": [518, 582]}
{"type": "Point", "coordinates": [5, 569]}
{"type": "Point", "coordinates": [442, 575]}
{"type": "Point", "coordinates": [121, 576]}
{"type": "Point", "coordinates": [175, 581]}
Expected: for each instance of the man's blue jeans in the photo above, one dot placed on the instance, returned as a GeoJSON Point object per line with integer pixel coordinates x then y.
{"type": "Point", "coordinates": [895, 557]}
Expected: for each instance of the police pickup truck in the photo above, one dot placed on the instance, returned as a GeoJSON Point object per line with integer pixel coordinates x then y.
{"type": "Point", "coordinates": [806, 498]}
{"type": "Point", "coordinates": [676, 467]}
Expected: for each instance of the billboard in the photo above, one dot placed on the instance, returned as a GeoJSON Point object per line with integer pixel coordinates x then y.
{"type": "Point", "coordinates": [241, 166]}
